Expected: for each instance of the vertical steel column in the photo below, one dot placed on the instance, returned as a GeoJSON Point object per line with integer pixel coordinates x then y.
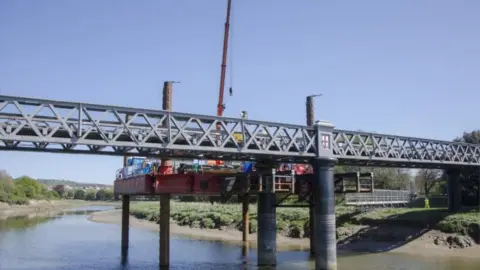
{"type": "Point", "coordinates": [246, 218]}
{"type": "Point", "coordinates": [358, 182]}
{"type": "Point", "coordinates": [164, 234]}
{"type": "Point", "coordinates": [324, 204]}
{"type": "Point", "coordinates": [311, 214]}
{"type": "Point", "coordinates": [125, 221]}
{"type": "Point", "coordinates": [164, 230]}
{"type": "Point", "coordinates": [125, 226]}
{"type": "Point", "coordinates": [267, 232]}
{"type": "Point", "coordinates": [454, 191]}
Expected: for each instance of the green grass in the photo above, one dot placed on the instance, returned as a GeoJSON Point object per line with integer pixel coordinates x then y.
{"type": "Point", "coordinates": [464, 223]}
{"type": "Point", "coordinates": [293, 222]}
{"type": "Point", "coordinates": [290, 221]}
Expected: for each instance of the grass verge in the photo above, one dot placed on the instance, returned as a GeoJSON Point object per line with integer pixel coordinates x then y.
{"type": "Point", "coordinates": [294, 222]}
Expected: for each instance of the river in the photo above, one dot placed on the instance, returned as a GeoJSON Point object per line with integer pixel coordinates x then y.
{"type": "Point", "coordinates": [71, 241]}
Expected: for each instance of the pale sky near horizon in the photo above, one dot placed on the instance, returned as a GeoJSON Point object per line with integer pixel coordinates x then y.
{"type": "Point", "coordinates": [399, 67]}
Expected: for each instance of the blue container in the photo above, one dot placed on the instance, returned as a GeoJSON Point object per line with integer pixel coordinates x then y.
{"type": "Point", "coordinates": [247, 167]}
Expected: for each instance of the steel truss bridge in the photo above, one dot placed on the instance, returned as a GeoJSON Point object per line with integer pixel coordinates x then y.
{"type": "Point", "coordinates": [30, 124]}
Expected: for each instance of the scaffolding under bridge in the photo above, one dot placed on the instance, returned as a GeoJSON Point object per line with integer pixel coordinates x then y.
{"type": "Point", "coordinates": [379, 198]}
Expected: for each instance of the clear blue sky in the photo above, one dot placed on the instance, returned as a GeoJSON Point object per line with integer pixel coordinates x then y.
{"type": "Point", "coordinates": [401, 67]}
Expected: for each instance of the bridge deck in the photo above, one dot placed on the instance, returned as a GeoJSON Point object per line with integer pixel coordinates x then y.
{"type": "Point", "coordinates": [28, 124]}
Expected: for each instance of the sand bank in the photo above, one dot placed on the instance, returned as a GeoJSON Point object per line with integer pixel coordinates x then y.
{"type": "Point", "coordinates": [46, 208]}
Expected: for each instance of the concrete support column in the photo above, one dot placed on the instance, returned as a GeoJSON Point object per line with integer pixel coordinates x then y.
{"type": "Point", "coordinates": [454, 190]}
{"type": "Point", "coordinates": [325, 230]}
{"type": "Point", "coordinates": [267, 233]}
{"type": "Point", "coordinates": [324, 203]}
{"type": "Point", "coordinates": [125, 226]}
{"type": "Point", "coordinates": [164, 230]}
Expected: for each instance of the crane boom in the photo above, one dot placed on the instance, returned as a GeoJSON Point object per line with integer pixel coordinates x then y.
{"type": "Point", "coordinates": [221, 106]}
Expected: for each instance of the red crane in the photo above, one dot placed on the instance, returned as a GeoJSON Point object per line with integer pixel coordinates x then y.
{"type": "Point", "coordinates": [221, 106]}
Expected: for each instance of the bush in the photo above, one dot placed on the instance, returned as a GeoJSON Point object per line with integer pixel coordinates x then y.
{"type": "Point", "coordinates": [22, 189]}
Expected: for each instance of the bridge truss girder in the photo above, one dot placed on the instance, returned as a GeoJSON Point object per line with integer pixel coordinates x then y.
{"type": "Point", "coordinates": [28, 124]}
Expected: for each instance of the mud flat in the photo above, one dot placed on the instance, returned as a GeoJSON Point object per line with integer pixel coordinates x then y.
{"type": "Point", "coordinates": [46, 208]}
{"type": "Point", "coordinates": [353, 238]}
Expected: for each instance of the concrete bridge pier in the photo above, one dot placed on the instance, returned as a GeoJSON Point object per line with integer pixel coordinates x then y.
{"type": "Point", "coordinates": [454, 190]}
{"type": "Point", "coordinates": [267, 225]}
{"type": "Point", "coordinates": [324, 199]}
{"type": "Point", "coordinates": [125, 226]}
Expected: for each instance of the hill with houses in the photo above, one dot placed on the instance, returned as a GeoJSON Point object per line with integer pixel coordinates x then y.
{"type": "Point", "coordinates": [73, 184]}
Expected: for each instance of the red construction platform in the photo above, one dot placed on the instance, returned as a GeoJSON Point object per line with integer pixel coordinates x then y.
{"type": "Point", "coordinates": [217, 184]}
{"type": "Point", "coordinates": [207, 184]}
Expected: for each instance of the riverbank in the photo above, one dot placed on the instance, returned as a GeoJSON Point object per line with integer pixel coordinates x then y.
{"type": "Point", "coordinates": [226, 235]}
{"type": "Point", "coordinates": [40, 208]}
{"type": "Point", "coordinates": [422, 231]}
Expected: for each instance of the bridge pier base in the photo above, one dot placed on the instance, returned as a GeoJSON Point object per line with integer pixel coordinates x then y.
{"type": "Point", "coordinates": [454, 190]}
{"type": "Point", "coordinates": [164, 244]}
{"type": "Point", "coordinates": [324, 216]}
{"type": "Point", "coordinates": [125, 227]}
{"type": "Point", "coordinates": [245, 218]}
{"type": "Point", "coordinates": [311, 221]}
{"type": "Point", "coordinates": [267, 232]}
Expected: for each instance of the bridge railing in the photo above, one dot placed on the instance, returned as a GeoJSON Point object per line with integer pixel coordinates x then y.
{"type": "Point", "coordinates": [379, 197]}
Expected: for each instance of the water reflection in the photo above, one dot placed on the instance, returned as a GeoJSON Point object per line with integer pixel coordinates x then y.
{"type": "Point", "coordinates": [71, 241]}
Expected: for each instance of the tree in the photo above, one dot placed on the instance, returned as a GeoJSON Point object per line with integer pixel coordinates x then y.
{"type": "Point", "coordinates": [109, 194]}
{"type": "Point", "coordinates": [79, 194]}
{"type": "Point", "coordinates": [70, 194]}
{"type": "Point", "coordinates": [30, 187]}
{"type": "Point", "coordinates": [29, 192]}
{"type": "Point", "coordinates": [470, 177]}
{"type": "Point", "coordinates": [91, 195]}
{"type": "Point", "coordinates": [426, 179]}
{"type": "Point", "coordinates": [100, 195]}
{"type": "Point", "coordinates": [60, 189]}
{"type": "Point", "coordinates": [6, 186]}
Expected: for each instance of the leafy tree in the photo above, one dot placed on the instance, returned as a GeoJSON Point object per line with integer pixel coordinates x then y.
{"type": "Point", "coordinates": [70, 194]}
{"type": "Point", "coordinates": [469, 177]}
{"type": "Point", "coordinates": [22, 189]}
{"type": "Point", "coordinates": [52, 194]}
{"type": "Point", "coordinates": [29, 191]}
{"type": "Point", "coordinates": [30, 188]}
{"type": "Point", "coordinates": [100, 195]}
{"type": "Point", "coordinates": [91, 195]}
{"type": "Point", "coordinates": [60, 189]}
{"type": "Point", "coordinates": [427, 179]}
{"type": "Point", "coordinates": [109, 194]}
{"type": "Point", "coordinates": [79, 194]}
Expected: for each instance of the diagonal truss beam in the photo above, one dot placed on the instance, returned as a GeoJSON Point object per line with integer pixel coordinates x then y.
{"type": "Point", "coordinates": [28, 124]}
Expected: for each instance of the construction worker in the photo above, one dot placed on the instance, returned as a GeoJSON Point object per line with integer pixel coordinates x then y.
{"type": "Point", "coordinates": [154, 168]}
{"type": "Point", "coordinates": [427, 202]}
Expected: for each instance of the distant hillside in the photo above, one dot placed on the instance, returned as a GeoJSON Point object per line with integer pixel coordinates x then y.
{"type": "Point", "coordinates": [54, 182]}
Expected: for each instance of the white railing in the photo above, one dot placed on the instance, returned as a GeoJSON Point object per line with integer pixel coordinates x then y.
{"type": "Point", "coordinates": [379, 197]}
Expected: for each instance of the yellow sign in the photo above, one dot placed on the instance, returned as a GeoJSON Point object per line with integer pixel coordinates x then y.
{"type": "Point", "coordinates": [237, 136]}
